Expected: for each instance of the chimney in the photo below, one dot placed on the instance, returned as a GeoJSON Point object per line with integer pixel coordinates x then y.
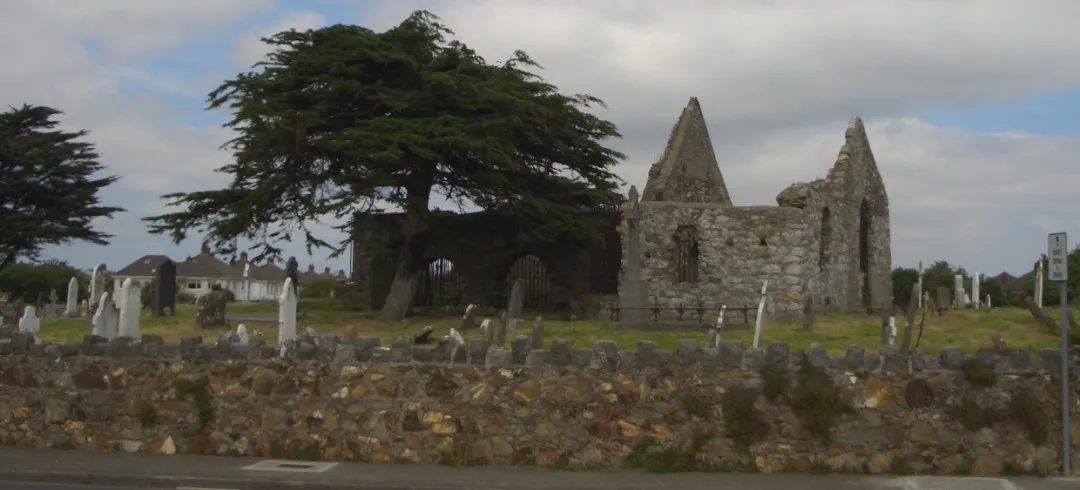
{"type": "Point", "coordinates": [206, 248]}
{"type": "Point", "coordinates": [311, 267]}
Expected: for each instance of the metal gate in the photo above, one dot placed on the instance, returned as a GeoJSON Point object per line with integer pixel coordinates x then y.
{"type": "Point", "coordinates": [440, 284]}
{"type": "Point", "coordinates": [533, 273]}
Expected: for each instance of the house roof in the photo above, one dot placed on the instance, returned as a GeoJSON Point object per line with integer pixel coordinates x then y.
{"type": "Point", "coordinates": [205, 264]}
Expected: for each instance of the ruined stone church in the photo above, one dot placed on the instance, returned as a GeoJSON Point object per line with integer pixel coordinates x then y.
{"type": "Point", "coordinates": [826, 244]}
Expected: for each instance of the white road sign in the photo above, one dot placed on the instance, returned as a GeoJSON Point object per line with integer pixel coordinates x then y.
{"type": "Point", "coordinates": [1058, 254]}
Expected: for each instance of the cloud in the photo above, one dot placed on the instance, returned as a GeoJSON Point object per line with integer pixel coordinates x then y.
{"type": "Point", "coordinates": [250, 48]}
{"type": "Point", "coordinates": [777, 79]}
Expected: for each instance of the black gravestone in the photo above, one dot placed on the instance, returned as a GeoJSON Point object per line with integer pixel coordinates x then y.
{"type": "Point", "coordinates": [165, 293]}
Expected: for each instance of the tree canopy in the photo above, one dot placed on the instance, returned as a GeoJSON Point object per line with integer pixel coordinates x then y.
{"type": "Point", "coordinates": [32, 283]}
{"type": "Point", "coordinates": [344, 120]}
{"type": "Point", "coordinates": [49, 185]}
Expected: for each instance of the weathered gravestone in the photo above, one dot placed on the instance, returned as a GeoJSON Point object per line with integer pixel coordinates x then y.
{"type": "Point", "coordinates": [512, 318]}
{"type": "Point", "coordinates": [943, 299]}
{"type": "Point", "coordinates": [292, 272]}
{"type": "Point", "coordinates": [54, 304]}
{"type": "Point", "coordinates": [72, 306]}
{"type": "Point", "coordinates": [165, 292]}
{"type": "Point", "coordinates": [210, 310]}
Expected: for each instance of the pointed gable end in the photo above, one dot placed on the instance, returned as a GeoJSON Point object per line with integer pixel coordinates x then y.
{"type": "Point", "coordinates": [687, 171]}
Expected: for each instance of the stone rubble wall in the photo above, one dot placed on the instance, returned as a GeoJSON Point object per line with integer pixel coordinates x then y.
{"type": "Point", "coordinates": [564, 406]}
{"type": "Point", "coordinates": [740, 247]}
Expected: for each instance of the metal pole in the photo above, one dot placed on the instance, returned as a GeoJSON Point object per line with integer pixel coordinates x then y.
{"type": "Point", "coordinates": [1065, 398]}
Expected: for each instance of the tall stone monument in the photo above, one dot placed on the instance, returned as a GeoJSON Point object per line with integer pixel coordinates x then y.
{"type": "Point", "coordinates": [165, 293]}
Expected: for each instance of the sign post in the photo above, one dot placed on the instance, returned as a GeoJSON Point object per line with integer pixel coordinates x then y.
{"type": "Point", "coordinates": [1058, 255]}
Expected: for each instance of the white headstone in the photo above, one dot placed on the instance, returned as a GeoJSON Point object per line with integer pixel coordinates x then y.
{"type": "Point", "coordinates": [30, 323]}
{"type": "Point", "coordinates": [242, 334]}
{"type": "Point", "coordinates": [759, 324]}
{"type": "Point", "coordinates": [130, 307]}
{"type": "Point", "coordinates": [458, 341]}
{"type": "Point", "coordinates": [890, 334]}
{"type": "Point", "coordinates": [988, 305]}
{"type": "Point", "coordinates": [286, 313]}
{"type": "Point", "coordinates": [104, 321]}
{"type": "Point", "coordinates": [72, 306]}
{"type": "Point", "coordinates": [718, 330]}
{"type": "Point", "coordinates": [958, 291]}
{"type": "Point", "coordinates": [975, 296]}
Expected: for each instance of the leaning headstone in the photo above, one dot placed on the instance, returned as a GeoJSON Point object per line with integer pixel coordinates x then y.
{"type": "Point", "coordinates": [104, 320]}
{"type": "Point", "coordinates": [717, 333]}
{"type": "Point", "coordinates": [287, 314]}
{"type": "Point", "coordinates": [514, 307]}
{"type": "Point", "coordinates": [30, 323]}
{"type": "Point", "coordinates": [97, 283]}
{"type": "Point", "coordinates": [469, 318]}
{"type": "Point", "coordinates": [165, 293]}
{"type": "Point", "coordinates": [72, 306]}
{"type": "Point", "coordinates": [130, 306]}
{"type": "Point", "coordinates": [759, 323]}
{"type": "Point", "coordinates": [210, 310]}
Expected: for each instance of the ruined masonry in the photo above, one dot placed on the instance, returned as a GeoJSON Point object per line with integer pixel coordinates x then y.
{"type": "Point", "coordinates": [685, 243]}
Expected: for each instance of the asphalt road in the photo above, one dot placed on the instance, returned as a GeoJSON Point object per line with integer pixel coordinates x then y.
{"type": "Point", "coordinates": [14, 485]}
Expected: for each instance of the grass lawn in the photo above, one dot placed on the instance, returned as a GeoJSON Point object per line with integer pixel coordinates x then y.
{"type": "Point", "coordinates": [836, 332]}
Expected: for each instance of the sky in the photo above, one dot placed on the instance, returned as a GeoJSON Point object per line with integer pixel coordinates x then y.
{"type": "Point", "coordinates": [972, 106]}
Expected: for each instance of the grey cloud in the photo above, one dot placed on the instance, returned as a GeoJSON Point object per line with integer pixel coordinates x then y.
{"type": "Point", "coordinates": [777, 80]}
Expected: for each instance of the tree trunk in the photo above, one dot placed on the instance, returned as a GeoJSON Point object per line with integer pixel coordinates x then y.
{"type": "Point", "coordinates": [399, 299]}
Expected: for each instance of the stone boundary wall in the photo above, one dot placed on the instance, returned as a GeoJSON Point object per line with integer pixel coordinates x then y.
{"type": "Point", "coordinates": [693, 408]}
{"type": "Point", "coordinates": [730, 355]}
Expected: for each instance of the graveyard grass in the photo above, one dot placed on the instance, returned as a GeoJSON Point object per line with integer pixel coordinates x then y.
{"type": "Point", "coordinates": [966, 329]}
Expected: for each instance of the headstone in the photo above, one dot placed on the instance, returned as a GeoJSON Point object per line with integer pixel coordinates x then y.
{"type": "Point", "coordinates": [165, 293]}
{"type": "Point", "coordinates": [537, 339]}
{"type": "Point", "coordinates": [287, 313]}
{"type": "Point", "coordinates": [457, 341]}
{"type": "Point", "coordinates": [718, 330]}
{"type": "Point", "coordinates": [759, 323]}
{"type": "Point", "coordinates": [130, 299]}
{"type": "Point", "coordinates": [958, 291]}
{"type": "Point", "coordinates": [30, 323]}
{"type": "Point", "coordinates": [242, 334]}
{"type": "Point", "coordinates": [104, 320]}
{"type": "Point", "coordinates": [54, 303]}
{"type": "Point", "coordinates": [975, 296]}
{"type": "Point", "coordinates": [247, 281]}
{"type": "Point", "coordinates": [210, 310]}
{"type": "Point", "coordinates": [1039, 283]}
{"type": "Point", "coordinates": [514, 307]}
{"type": "Point", "coordinates": [920, 285]}
{"type": "Point", "coordinates": [988, 305]}
{"type": "Point", "coordinates": [943, 299]}
{"type": "Point", "coordinates": [890, 331]}
{"type": "Point", "coordinates": [97, 282]}
{"type": "Point", "coordinates": [292, 272]}
{"type": "Point", "coordinates": [469, 318]}
{"type": "Point", "coordinates": [72, 306]}
{"type": "Point", "coordinates": [633, 289]}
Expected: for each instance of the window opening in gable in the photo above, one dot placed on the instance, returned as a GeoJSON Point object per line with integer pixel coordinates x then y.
{"type": "Point", "coordinates": [686, 254]}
